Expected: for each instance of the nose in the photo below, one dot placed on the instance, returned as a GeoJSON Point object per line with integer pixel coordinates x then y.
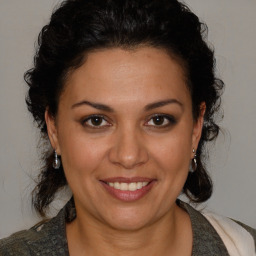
{"type": "Point", "coordinates": [128, 150]}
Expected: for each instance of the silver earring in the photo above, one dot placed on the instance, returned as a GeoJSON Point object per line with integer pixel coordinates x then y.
{"type": "Point", "coordinates": [56, 161]}
{"type": "Point", "coordinates": [193, 162]}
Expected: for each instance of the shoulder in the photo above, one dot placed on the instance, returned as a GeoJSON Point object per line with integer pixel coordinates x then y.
{"type": "Point", "coordinates": [17, 243]}
{"type": "Point", "coordinates": [45, 238]}
{"type": "Point", "coordinates": [219, 234]}
{"type": "Point", "coordinates": [236, 236]}
{"type": "Point", "coordinates": [251, 230]}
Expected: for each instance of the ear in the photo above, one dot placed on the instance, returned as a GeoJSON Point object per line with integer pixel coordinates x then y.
{"type": "Point", "coordinates": [52, 131]}
{"type": "Point", "coordinates": [198, 126]}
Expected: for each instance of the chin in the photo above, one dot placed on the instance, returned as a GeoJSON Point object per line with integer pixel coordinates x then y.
{"type": "Point", "coordinates": [129, 219]}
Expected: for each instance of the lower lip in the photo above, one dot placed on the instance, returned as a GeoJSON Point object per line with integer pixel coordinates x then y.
{"type": "Point", "coordinates": [128, 196]}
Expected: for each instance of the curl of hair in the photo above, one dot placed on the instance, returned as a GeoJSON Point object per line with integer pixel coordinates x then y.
{"type": "Point", "coordinates": [78, 27]}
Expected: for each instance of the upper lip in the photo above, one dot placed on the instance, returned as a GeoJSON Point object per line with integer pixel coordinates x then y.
{"type": "Point", "coordinates": [127, 179]}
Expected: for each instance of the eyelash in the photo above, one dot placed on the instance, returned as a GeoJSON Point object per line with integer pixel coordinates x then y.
{"type": "Point", "coordinates": [90, 118]}
{"type": "Point", "coordinates": [167, 118]}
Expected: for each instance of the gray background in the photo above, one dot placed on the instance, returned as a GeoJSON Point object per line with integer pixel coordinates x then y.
{"type": "Point", "coordinates": [232, 31]}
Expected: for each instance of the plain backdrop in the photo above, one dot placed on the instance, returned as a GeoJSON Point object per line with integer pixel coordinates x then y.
{"type": "Point", "coordinates": [232, 158]}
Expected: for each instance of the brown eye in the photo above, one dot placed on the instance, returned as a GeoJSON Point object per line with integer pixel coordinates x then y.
{"type": "Point", "coordinates": [96, 122]}
{"type": "Point", "coordinates": [161, 121]}
{"type": "Point", "coordinates": [158, 120]}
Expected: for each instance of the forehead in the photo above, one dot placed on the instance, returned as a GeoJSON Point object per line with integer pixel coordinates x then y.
{"type": "Point", "coordinates": [118, 75]}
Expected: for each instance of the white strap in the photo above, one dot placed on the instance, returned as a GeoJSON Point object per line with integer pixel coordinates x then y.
{"type": "Point", "coordinates": [238, 241]}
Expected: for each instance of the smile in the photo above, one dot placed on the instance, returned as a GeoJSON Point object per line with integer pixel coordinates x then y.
{"type": "Point", "coordinates": [128, 190]}
{"type": "Point", "coordinates": [128, 186]}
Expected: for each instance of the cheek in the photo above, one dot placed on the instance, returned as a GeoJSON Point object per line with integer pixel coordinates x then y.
{"type": "Point", "coordinates": [173, 153]}
{"type": "Point", "coordinates": [81, 155]}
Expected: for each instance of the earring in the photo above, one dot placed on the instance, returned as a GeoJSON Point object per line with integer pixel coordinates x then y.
{"type": "Point", "coordinates": [56, 161]}
{"type": "Point", "coordinates": [193, 162]}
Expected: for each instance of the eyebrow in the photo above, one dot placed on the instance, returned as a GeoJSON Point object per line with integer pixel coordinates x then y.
{"type": "Point", "coordinates": [162, 103]}
{"type": "Point", "coordinates": [94, 105]}
{"type": "Point", "coordinates": [109, 109]}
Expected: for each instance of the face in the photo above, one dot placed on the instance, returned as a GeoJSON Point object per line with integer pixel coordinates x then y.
{"type": "Point", "coordinates": [125, 133]}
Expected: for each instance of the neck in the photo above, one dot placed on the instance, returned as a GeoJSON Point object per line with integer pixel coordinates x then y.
{"type": "Point", "coordinates": [163, 237]}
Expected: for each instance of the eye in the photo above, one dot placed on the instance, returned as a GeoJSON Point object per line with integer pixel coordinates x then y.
{"type": "Point", "coordinates": [161, 121]}
{"type": "Point", "coordinates": [96, 121]}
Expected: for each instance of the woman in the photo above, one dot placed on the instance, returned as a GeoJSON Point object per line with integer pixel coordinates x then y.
{"type": "Point", "coordinates": [126, 94]}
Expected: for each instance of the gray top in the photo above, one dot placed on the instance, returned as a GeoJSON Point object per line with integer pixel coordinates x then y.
{"type": "Point", "coordinates": [49, 238]}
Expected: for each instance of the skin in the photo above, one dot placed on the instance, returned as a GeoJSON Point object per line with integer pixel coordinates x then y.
{"type": "Point", "coordinates": [128, 142]}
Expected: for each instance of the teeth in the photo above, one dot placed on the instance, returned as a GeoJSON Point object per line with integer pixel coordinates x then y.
{"type": "Point", "coordinates": [132, 186]}
{"type": "Point", "coordinates": [124, 186]}
{"type": "Point", "coordinates": [117, 185]}
{"type": "Point", "coordinates": [128, 186]}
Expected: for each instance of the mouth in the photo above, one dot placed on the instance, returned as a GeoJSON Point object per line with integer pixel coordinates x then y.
{"type": "Point", "coordinates": [128, 189]}
{"type": "Point", "coordinates": [133, 186]}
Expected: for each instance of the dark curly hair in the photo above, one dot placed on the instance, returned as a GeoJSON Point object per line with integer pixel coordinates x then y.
{"type": "Point", "coordinates": [80, 26]}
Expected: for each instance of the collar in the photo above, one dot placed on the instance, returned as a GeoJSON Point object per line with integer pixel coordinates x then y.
{"type": "Point", "coordinates": [206, 240]}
